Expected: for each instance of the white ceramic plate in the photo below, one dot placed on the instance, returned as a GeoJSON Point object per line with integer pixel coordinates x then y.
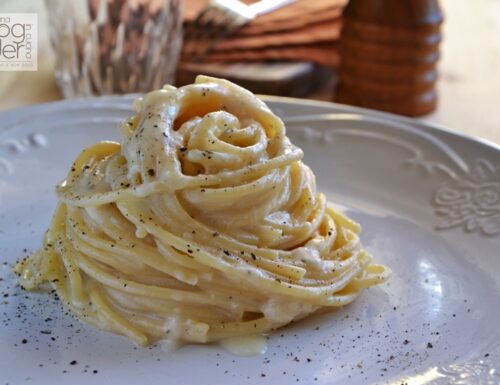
{"type": "Point", "coordinates": [429, 203]}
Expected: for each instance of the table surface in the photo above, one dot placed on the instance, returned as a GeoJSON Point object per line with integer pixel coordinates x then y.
{"type": "Point", "coordinates": [469, 85]}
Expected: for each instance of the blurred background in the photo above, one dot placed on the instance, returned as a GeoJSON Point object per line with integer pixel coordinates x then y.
{"type": "Point", "coordinates": [435, 60]}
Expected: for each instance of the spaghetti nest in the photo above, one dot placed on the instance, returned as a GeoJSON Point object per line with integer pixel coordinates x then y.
{"type": "Point", "coordinates": [203, 224]}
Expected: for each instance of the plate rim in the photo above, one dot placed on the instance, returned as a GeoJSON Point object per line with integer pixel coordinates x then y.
{"type": "Point", "coordinates": [335, 107]}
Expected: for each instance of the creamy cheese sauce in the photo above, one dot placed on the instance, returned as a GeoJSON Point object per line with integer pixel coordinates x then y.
{"type": "Point", "coordinates": [245, 345]}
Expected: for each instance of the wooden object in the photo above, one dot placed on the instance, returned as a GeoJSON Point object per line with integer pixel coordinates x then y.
{"type": "Point", "coordinates": [304, 31]}
{"type": "Point", "coordinates": [277, 78]}
{"type": "Point", "coordinates": [389, 52]}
